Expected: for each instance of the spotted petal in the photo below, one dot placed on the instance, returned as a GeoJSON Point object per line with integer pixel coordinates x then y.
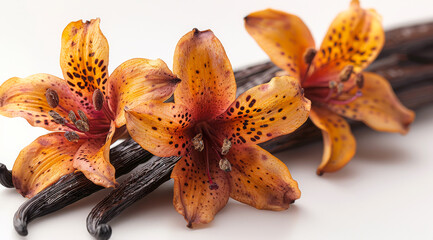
{"type": "Point", "coordinates": [93, 160]}
{"type": "Point", "coordinates": [378, 107]}
{"type": "Point", "coordinates": [339, 143]}
{"type": "Point", "coordinates": [160, 128]}
{"type": "Point", "coordinates": [284, 37]}
{"type": "Point", "coordinates": [25, 97]}
{"type": "Point", "coordinates": [260, 180]}
{"type": "Point", "coordinates": [355, 37]}
{"type": "Point", "coordinates": [43, 162]}
{"type": "Point", "coordinates": [265, 112]}
{"type": "Point", "coordinates": [192, 196]}
{"type": "Point", "coordinates": [208, 85]}
{"type": "Point", "coordinates": [136, 81]}
{"type": "Point", "coordinates": [84, 58]}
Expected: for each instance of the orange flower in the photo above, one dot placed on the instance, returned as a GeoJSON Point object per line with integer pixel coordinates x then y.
{"type": "Point", "coordinates": [217, 134]}
{"type": "Point", "coordinates": [333, 79]}
{"type": "Point", "coordinates": [92, 101]}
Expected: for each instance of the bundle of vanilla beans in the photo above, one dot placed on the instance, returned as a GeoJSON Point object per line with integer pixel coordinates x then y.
{"type": "Point", "coordinates": [406, 61]}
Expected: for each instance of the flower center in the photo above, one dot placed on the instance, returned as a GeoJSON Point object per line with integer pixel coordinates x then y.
{"type": "Point", "coordinates": [213, 148]}
{"type": "Point", "coordinates": [339, 91]}
{"type": "Point", "coordinates": [81, 126]}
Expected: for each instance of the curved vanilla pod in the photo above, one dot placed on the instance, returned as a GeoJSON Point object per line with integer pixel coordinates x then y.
{"type": "Point", "coordinates": [142, 181]}
{"type": "Point", "coordinates": [73, 187]}
{"type": "Point", "coordinates": [5, 176]}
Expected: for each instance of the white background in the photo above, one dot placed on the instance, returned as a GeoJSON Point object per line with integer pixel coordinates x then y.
{"type": "Point", "coordinates": [386, 191]}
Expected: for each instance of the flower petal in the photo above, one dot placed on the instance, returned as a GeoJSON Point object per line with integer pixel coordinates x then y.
{"type": "Point", "coordinates": [43, 162]}
{"type": "Point", "coordinates": [192, 196]}
{"type": "Point", "coordinates": [355, 37]}
{"type": "Point", "coordinates": [265, 112]}
{"type": "Point", "coordinates": [378, 107]}
{"type": "Point", "coordinates": [208, 84]}
{"type": "Point", "coordinates": [136, 81]}
{"type": "Point", "coordinates": [339, 143]}
{"type": "Point", "coordinates": [261, 180]}
{"type": "Point", "coordinates": [284, 37]}
{"type": "Point", "coordinates": [160, 128]}
{"type": "Point", "coordinates": [25, 97]}
{"type": "Point", "coordinates": [93, 160]}
{"type": "Point", "coordinates": [84, 58]}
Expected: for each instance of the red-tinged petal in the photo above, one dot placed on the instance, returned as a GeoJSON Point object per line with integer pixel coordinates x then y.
{"type": "Point", "coordinates": [25, 97]}
{"type": "Point", "coordinates": [378, 107]}
{"type": "Point", "coordinates": [339, 143]}
{"type": "Point", "coordinates": [192, 196]}
{"type": "Point", "coordinates": [43, 162]}
{"type": "Point", "coordinates": [260, 180]}
{"type": "Point", "coordinates": [93, 160]}
{"type": "Point", "coordinates": [355, 37]}
{"type": "Point", "coordinates": [160, 128]}
{"type": "Point", "coordinates": [284, 37]}
{"type": "Point", "coordinates": [84, 58]}
{"type": "Point", "coordinates": [265, 112]}
{"type": "Point", "coordinates": [136, 81]}
{"type": "Point", "coordinates": [208, 85]}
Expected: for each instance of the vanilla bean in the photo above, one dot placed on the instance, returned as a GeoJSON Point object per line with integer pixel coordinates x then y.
{"type": "Point", "coordinates": [73, 187]}
{"type": "Point", "coordinates": [411, 76]}
{"type": "Point", "coordinates": [145, 178]}
{"type": "Point", "coordinates": [5, 177]}
{"type": "Point", "coordinates": [408, 39]}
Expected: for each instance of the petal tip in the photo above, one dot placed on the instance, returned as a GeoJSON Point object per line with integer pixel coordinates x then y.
{"type": "Point", "coordinates": [198, 33]}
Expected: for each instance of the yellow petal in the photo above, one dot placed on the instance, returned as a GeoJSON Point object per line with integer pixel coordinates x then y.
{"type": "Point", "coordinates": [136, 81]}
{"type": "Point", "coordinates": [93, 160]}
{"type": "Point", "coordinates": [43, 162]}
{"type": "Point", "coordinates": [25, 97]}
{"type": "Point", "coordinates": [160, 128]}
{"type": "Point", "coordinates": [261, 180]}
{"type": "Point", "coordinates": [192, 196]}
{"type": "Point", "coordinates": [339, 143]}
{"type": "Point", "coordinates": [265, 112]}
{"type": "Point", "coordinates": [84, 58]}
{"type": "Point", "coordinates": [378, 107]}
{"type": "Point", "coordinates": [284, 37]}
{"type": "Point", "coordinates": [208, 85]}
{"type": "Point", "coordinates": [355, 37]}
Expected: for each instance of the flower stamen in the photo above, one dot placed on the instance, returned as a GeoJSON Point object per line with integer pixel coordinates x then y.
{"type": "Point", "coordinates": [57, 118]}
{"type": "Point", "coordinates": [83, 116]}
{"type": "Point", "coordinates": [52, 98]}
{"type": "Point", "coordinates": [308, 59]}
{"type": "Point", "coordinates": [197, 141]}
{"type": "Point", "coordinates": [225, 165]}
{"type": "Point", "coordinates": [226, 146]}
{"type": "Point", "coordinates": [346, 73]}
{"type": "Point", "coordinates": [72, 136]}
{"type": "Point", "coordinates": [82, 126]}
{"type": "Point", "coordinates": [359, 80]}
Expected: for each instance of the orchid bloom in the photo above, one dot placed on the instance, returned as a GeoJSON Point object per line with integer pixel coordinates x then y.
{"type": "Point", "coordinates": [83, 111]}
{"type": "Point", "coordinates": [217, 134]}
{"type": "Point", "coordinates": [333, 79]}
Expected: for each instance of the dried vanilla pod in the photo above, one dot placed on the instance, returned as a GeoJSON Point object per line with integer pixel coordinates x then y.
{"type": "Point", "coordinates": [142, 181]}
{"type": "Point", "coordinates": [73, 187]}
{"type": "Point", "coordinates": [5, 177]}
